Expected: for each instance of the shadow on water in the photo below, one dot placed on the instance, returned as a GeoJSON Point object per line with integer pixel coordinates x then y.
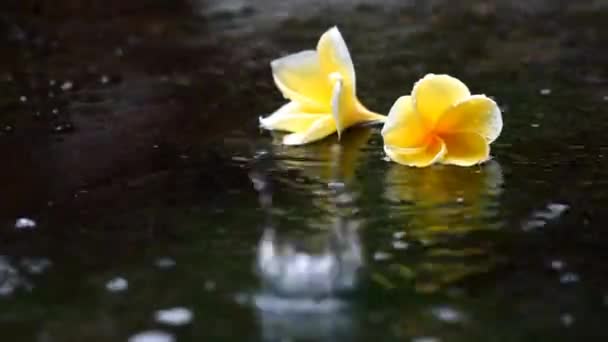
{"type": "Point", "coordinates": [136, 180]}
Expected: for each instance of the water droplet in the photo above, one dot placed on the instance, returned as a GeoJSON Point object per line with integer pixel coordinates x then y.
{"type": "Point", "coordinates": [557, 265]}
{"type": "Point", "coordinates": [25, 223]}
{"type": "Point", "coordinates": [117, 284]}
{"type": "Point", "coordinates": [63, 127]}
{"type": "Point", "coordinates": [52, 83]}
{"type": "Point", "coordinates": [425, 339]}
{"type": "Point", "coordinates": [606, 98]}
{"type": "Point", "coordinates": [545, 91]}
{"type": "Point", "coordinates": [569, 278]}
{"type": "Point", "coordinates": [165, 262]}
{"type": "Point", "coordinates": [534, 125]}
{"type": "Point", "coordinates": [55, 111]}
{"type": "Point", "coordinates": [532, 225]}
{"type": "Point", "coordinates": [10, 278]}
{"type": "Point", "coordinates": [345, 199]}
{"type": "Point", "coordinates": [23, 99]}
{"type": "Point", "coordinates": [399, 235]}
{"type": "Point", "coordinates": [36, 265]}
{"type": "Point", "coordinates": [152, 336]}
{"type": "Point", "coordinates": [8, 128]}
{"type": "Point", "coordinates": [400, 245]}
{"type": "Point", "coordinates": [553, 211]}
{"type": "Point", "coordinates": [336, 185]}
{"type": "Point", "coordinates": [567, 319]}
{"type": "Point", "coordinates": [209, 285]}
{"type": "Point", "coordinates": [119, 52]}
{"type": "Point", "coordinates": [104, 79]}
{"type": "Point", "coordinates": [174, 316]}
{"type": "Point", "coordinates": [67, 85]}
{"type": "Point", "coordinates": [448, 315]}
{"type": "Point", "coordinates": [379, 256]}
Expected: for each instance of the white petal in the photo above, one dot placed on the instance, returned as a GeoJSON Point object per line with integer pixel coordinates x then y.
{"type": "Point", "coordinates": [334, 55]}
{"type": "Point", "coordinates": [320, 129]}
{"type": "Point", "coordinates": [335, 105]}
{"type": "Point", "coordinates": [288, 108]}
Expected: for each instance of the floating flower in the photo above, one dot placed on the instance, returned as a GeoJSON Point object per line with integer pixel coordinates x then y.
{"type": "Point", "coordinates": [441, 122]}
{"type": "Point", "coordinates": [321, 88]}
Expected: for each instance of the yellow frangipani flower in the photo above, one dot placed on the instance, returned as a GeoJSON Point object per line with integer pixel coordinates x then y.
{"type": "Point", "coordinates": [441, 122]}
{"type": "Point", "coordinates": [321, 88]}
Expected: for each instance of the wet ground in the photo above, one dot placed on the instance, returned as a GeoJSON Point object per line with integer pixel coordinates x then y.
{"type": "Point", "coordinates": [135, 178]}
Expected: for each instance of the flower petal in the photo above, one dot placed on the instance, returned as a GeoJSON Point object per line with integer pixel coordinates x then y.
{"type": "Point", "coordinates": [291, 117]}
{"type": "Point", "coordinates": [337, 105]}
{"type": "Point", "coordinates": [300, 78]}
{"type": "Point", "coordinates": [297, 122]}
{"type": "Point", "coordinates": [420, 156]}
{"type": "Point", "coordinates": [476, 114]}
{"type": "Point", "coordinates": [434, 94]}
{"type": "Point", "coordinates": [334, 56]}
{"type": "Point", "coordinates": [404, 127]}
{"type": "Point", "coordinates": [465, 149]}
{"type": "Point", "coordinates": [321, 128]}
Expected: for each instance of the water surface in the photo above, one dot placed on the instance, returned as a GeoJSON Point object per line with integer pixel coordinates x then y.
{"type": "Point", "coordinates": [137, 184]}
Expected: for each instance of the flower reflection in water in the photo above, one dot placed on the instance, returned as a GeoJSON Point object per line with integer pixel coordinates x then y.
{"type": "Point", "coordinates": [442, 209]}
{"type": "Point", "coordinates": [318, 268]}
{"type": "Point", "coordinates": [306, 284]}
{"type": "Point", "coordinates": [307, 276]}
{"type": "Point", "coordinates": [327, 161]}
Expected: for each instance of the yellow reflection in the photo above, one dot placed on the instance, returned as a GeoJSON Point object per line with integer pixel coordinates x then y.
{"type": "Point", "coordinates": [440, 207]}
{"type": "Point", "coordinates": [328, 160]}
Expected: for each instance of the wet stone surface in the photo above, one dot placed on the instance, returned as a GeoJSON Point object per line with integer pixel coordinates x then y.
{"type": "Point", "coordinates": [137, 186]}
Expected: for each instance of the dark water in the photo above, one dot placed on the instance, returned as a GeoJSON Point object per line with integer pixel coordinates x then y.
{"type": "Point", "coordinates": [130, 140]}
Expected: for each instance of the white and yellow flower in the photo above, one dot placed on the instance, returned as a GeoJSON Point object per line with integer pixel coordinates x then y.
{"type": "Point", "coordinates": [441, 122]}
{"type": "Point", "coordinates": [320, 85]}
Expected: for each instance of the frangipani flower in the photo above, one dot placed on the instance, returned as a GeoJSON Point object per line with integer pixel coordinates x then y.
{"type": "Point", "coordinates": [321, 88]}
{"type": "Point", "coordinates": [441, 122]}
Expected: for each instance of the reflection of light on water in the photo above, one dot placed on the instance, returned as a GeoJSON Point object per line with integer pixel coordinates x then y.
{"type": "Point", "coordinates": [325, 320]}
{"type": "Point", "coordinates": [152, 336]}
{"type": "Point", "coordinates": [271, 303]}
{"type": "Point", "coordinates": [10, 279]}
{"type": "Point", "coordinates": [117, 284]}
{"type": "Point", "coordinates": [303, 286]}
{"type": "Point", "coordinates": [541, 217]}
{"type": "Point", "coordinates": [25, 223]}
{"type": "Point", "coordinates": [291, 270]}
{"type": "Point", "coordinates": [15, 274]}
{"type": "Point", "coordinates": [448, 314]}
{"type": "Point", "coordinates": [306, 280]}
{"type": "Point", "coordinates": [174, 316]}
{"type": "Point", "coordinates": [165, 263]}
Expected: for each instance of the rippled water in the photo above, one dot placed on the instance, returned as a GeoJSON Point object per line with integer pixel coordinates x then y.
{"type": "Point", "coordinates": [138, 193]}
